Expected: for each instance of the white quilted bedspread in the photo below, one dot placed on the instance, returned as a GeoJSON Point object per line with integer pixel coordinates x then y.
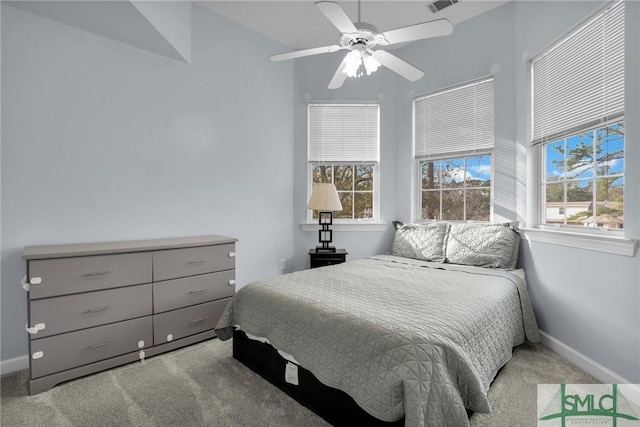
{"type": "Point", "coordinates": [402, 337]}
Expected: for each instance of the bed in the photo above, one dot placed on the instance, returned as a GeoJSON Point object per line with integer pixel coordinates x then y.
{"type": "Point", "coordinates": [404, 338]}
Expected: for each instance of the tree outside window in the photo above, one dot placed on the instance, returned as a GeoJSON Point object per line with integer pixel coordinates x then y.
{"type": "Point", "coordinates": [354, 183]}
{"type": "Point", "coordinates": [584, 175]}
{"type": "Point", "coordinates": [456, 189]}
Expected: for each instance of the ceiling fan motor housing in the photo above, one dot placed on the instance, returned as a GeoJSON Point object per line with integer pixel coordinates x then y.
{"type": "Point", "coordinates": [365, 38]}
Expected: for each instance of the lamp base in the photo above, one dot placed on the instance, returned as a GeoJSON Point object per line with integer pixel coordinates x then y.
{"type": "Point", "coordinates": [325, 250]}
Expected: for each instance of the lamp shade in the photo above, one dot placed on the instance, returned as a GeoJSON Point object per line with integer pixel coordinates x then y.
{"type": "Point", "coordinates": [324, 198]}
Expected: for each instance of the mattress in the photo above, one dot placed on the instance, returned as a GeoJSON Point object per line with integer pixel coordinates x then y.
{"type": "Point", "coordinates": [402, 337]}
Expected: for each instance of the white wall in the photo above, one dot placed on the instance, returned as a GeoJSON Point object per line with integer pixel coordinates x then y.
{"type": "Point", "coordinates": [483, 46]}
{"type": "Point", "coordinates": [446, 61]}
{"type": "Point", "coordinates": [104, 141]}
{"type": "Point", "coordinates": [312, 77]}
{"type": "Point", "coordinates": [588, 300]}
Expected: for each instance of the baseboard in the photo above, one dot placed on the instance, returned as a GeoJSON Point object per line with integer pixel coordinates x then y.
{"type": "Point", "coordinates": [592, 367]}
{"type": "Point", "coordinates": [13, 365]}
{"type": "Point", "coordinates": [604, 374]}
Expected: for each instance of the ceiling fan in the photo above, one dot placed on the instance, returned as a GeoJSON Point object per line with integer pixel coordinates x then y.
{"type": "Point", "coordinates": [360, 38]}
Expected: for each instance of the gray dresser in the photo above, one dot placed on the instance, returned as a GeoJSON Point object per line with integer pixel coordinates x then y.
{"type": "Point", "coordinates": [94, 306]}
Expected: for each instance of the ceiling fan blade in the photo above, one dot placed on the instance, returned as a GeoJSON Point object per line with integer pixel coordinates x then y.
{"type": "Point", "coordinates": [396, 64]}
{"type": "Point", "coordinates": [439, 27]}
{"type": "Point", "coordinates": [306, 52]}
{"type": "Point", "coordinates": [339, 77]}
{"type": "Point", "coordinates": [336, 15]}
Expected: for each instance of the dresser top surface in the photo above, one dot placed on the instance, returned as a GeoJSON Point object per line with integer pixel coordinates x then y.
{"type": "Point", "coordinates": [105, 248]}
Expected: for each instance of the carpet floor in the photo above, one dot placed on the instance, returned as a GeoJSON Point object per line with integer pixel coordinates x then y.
{"type": "Point", "coordinates": [202, 385]}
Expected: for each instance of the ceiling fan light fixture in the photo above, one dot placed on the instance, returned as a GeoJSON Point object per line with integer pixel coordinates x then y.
{"type": "Point", "coordinates": [353, 64]}
{"type": "Point", "coordinates": [370, 63]}
{"type": "Point", "coordinates": [359, 62]}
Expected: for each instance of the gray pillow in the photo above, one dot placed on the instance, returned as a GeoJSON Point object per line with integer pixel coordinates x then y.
{"type": "Point", "coordinates": [426, 242]}
{"type": "Point", "coordinates": [483, 245]}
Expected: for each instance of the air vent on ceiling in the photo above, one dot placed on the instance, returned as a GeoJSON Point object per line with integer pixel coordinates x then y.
{"type": "Point", "coordinates": [438, 5]}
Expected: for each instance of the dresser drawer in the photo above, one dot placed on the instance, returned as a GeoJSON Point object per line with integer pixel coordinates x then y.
{"type": "Point", "coordinates": [80, 311]}
{"type": "Point", "coordinates": [60, 352]}
{"type": "Point", "coordinates": [62, 276]}
{"type": "Point", "coordinates": [187, 321]}
{"type": "Point", "coordinates": [178, 293]}
{"type": "Point", "coordinates": [174, 263]}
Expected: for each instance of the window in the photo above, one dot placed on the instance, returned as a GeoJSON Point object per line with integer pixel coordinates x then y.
{"type": "Point", "coordinates": [456, 189]}
{"type": "Point", "coordinates": [578, 113]}
{"type": "Point", "coordinates": [355, 188]}
{"type": "Point", "coordinates": [453, 141]}
{"type": "Point", "coordinates": [586, 172]}
{"type": "Point", "coordinates": [344, 150]}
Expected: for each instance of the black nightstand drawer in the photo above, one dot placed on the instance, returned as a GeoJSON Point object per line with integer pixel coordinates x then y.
{"type": "Point", "coordinates": [321, 259]}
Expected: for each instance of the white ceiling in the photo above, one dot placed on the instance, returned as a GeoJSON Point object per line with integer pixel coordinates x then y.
{"type": "Point", "coordinates": [299, 25]}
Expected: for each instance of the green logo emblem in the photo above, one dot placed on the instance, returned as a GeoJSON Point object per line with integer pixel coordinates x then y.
{"type": "Point", "coordinates": [584, 406]}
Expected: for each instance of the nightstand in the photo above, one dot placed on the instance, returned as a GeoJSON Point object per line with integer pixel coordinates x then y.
{"type": "Point", "coordinates": [320, 259]}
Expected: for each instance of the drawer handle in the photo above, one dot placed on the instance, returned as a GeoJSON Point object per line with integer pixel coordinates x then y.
{"type": "Point", "coordinates": [194, 322]}
{"type": "Point", "coordinates": [91, 347]}
{"type": "Point", "coordinates": [96, 310]}
{"type": "Point", "coordinates": [232, 282]}
{"type": "Point", "coordinates": [96, 273]}
{"type": "Point", "coordinates": [232, 254]}
{"type": "Point", "coordinates": [196, 292]}
{"type": "Point", "coordinates": [200, 261]}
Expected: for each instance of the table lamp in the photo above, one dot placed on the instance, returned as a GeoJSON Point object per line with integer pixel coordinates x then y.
{"type": "Point", "coordinates": [325, 200]}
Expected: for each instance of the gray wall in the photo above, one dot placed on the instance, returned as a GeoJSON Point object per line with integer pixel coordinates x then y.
{"type": "Point", "coordinates": [104, 141]}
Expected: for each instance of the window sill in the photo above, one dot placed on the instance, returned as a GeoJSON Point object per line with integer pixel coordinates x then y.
{"type": "Point", "coordinates": [351, 226]}
{"type": "Point", "coordinates": [592, 242]}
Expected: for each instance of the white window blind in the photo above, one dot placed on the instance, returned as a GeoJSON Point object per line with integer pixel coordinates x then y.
{"type": "Point", "coordinates": [578, 83]}
{"type": "Point", "coordinates": [458, 120]}
{"type": "Point", "coordinates": [344, 133]}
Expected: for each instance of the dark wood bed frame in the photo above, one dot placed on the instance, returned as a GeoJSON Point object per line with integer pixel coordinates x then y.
{"type": "Point", "coordinates": [335, 406]}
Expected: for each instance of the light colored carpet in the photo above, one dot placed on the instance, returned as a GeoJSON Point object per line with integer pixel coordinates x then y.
{"type": "Point", "coordinates": [203, 385]}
